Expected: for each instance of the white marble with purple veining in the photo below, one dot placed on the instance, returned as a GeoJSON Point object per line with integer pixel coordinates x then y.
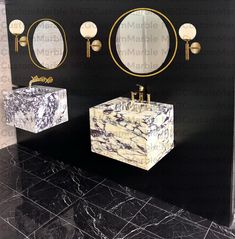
{"type": "Point", "coordinates": [136, 134]}
{"type": "Point", "coordinates": [36, 109]}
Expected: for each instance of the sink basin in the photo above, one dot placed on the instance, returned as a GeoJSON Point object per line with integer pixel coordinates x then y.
{"type": "Point", "coordinates": [137, 134]}
{"type": "Point", "coordinates": [36, 109]}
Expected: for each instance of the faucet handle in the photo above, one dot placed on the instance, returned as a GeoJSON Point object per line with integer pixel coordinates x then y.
{"type": "Point", "coordinates": [133, 94]}
{"type": "Point", "coordinates": [141, 88]}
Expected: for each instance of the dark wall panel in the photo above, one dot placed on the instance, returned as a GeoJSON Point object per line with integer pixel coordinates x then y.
{"type": "Point", "coordinates": [196, 175]}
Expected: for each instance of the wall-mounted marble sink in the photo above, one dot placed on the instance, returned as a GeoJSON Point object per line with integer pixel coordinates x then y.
{"type": "Point", "coordinates": [137, 134]}
{"type": "Point", "coordinates": [36, 109]}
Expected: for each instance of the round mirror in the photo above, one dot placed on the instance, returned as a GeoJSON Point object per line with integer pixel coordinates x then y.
{"type": "Point", "coordinates": [140, 42]}
{"type": "Point", "coordinates": [48, 43]}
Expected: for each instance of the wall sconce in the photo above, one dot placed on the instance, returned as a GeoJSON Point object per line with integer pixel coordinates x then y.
{"type": "Point", "coordinates": [16, 27]}
{"type": "Point", "coordinates": [89, 30]}
{"type": "Point", "coordinates": [187, 33]}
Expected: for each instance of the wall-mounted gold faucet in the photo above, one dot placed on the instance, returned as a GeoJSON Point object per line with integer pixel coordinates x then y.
{"type": "Point", "coordinates": [140, 94]}
{"type": "Point", "coordinates": [40, 79]}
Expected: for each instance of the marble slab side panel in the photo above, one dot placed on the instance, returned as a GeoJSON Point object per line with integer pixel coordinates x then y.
{"type": "Point", "coordinates": [115, 137]}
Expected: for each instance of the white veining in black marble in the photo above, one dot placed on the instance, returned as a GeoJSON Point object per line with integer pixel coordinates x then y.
{"type": "Point", "coordinates": [70, 203]}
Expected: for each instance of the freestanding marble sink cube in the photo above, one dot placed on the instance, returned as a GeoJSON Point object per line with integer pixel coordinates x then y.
{"type": "Point", "coordinates": [137, 134]}
{"type": "Point", "coordinates": [36, 109]}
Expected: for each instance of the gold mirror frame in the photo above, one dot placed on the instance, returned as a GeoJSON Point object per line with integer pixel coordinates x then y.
{"type": "Point", "coordinates": [154, 73]}
{"type": "Point", "coordinates": [65, 43]}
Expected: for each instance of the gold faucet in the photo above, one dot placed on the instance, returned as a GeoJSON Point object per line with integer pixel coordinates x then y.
{"type": "Point", "coordinates": [140, 94]}
{"type": "Point", "coordinates": [40, 79]}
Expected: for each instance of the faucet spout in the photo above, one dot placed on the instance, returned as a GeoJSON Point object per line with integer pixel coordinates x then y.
{"type": "Point", "coordinates": [40, 79]}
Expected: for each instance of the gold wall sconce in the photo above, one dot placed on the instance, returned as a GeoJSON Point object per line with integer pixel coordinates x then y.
{"type": "Point", "coordinates": [187, 33]}
{"type": "Point", "coordinates": [16, 27]}
{"type": "Point", "coordinates": [89, 30]}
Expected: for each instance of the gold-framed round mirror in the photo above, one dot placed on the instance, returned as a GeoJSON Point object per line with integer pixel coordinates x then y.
{"type": "Point", "coordinates": [49, 44]}
{"type": "Point", "coordinates": [143, 42]}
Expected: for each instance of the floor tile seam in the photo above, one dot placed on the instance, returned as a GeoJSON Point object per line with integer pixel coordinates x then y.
{"type": "Point", "coordinates": [43, 179]}
{"type": "Point", "coordinates": [143, 228]}
{"type": "Point", "coordinates": [84, 177]}
{"type": "Point", "coordinates": [28, 158]}
{"type": "Point", "coordinates": [41, 205]}
{"type": "Point", "coordinates": [98, 184]}
{"type": "Point", "coordinates": [5, 170]}
{"type": "Point", "coordinates": [53, 214]}
{"type": "Point", "coordinates": [222, 233]}
{"type": "Point", "coordinates": [124, 193]}
{"type": "Point", "coordinates": [25, 171]}
{"type": "Point", "coordinates": [207, 231]}
{"type": "Point", "coordinates": [66, 189]}
{"type": "Point", "coordinates": [49, 161]}
{"type": "Point", "coordinates": [170, 214]}
{"type": "Point", "coordinates": [184, 219]}
{"type": "Point", "coordinates": [21, 149]}
{"type": "Point", "coordinates": [46, 178]}
{"type": "Point", "coordinates": [203, 228]}
{"type": "Point", "coordinates": [13, 156]}
{"type": "Point", "coordinates": [16, 163]}
{"type": "Point", "coordinates": [58, 217]}
{"type": "Point", "coordinates": [193, 222]}
{"type": "Point", "coordinates": [95, 181]}
{"type": "Point", "coordinates": [41, 158]}
{"type": "Point", "coordinates": [131, 218]}
{"type": "Point", "coordinates": [13, 227]}
{"type": "Point", "coordinates": [100, 208]}
{"type": "Point", "coordinates": [13, 165]}
{"type": "Point", "coordinates": [176, 215]}
{"type": "Point", "coordinates": [78, 197]}
{"type": "Point", "coordinates": [82, 197]}
{"type": "Point", "coordinates": [34, 202]}
{"type": "Point", "coordinates": [15, 193]}
{"type": "Point", "coordinates": [97, 206]}
{"type": "Point", "coordinates": [18, 193]}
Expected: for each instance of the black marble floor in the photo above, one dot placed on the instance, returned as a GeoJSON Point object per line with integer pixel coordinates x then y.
{"type": "Point", "coordinates": [44, 198]}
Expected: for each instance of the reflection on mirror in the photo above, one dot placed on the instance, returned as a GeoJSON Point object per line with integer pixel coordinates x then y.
{"type": "Point", "coordinates": [187, 33]}
{"type": "Point", "coordinates": [142, 42]}
{"type": "Point", "coordinates": [49, 44]}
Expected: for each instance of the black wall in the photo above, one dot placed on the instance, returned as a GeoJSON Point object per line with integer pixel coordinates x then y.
{"type": "Point", "coordinates": [196, 175]}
